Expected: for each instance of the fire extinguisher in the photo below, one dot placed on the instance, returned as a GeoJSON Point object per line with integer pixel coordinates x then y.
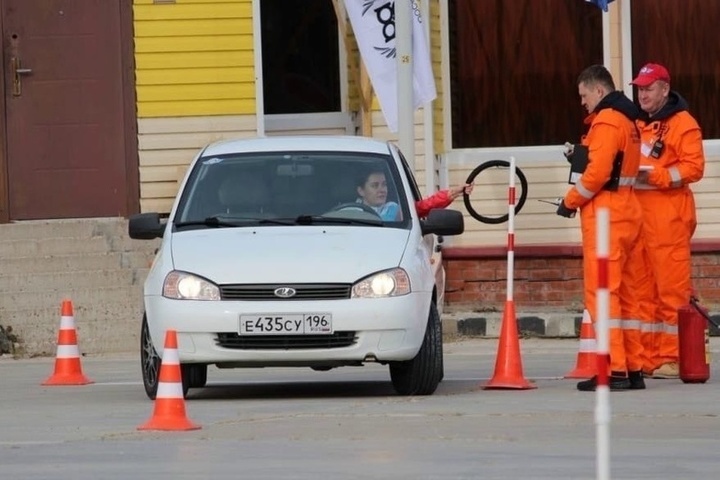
{"type": "Point", "coordinates": [694, 342]}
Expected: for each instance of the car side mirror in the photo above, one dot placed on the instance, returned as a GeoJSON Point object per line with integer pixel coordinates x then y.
{"type": "Point", "coordinates": [443, 221]}
{"type": "Point", "coordinates": [145, 226]}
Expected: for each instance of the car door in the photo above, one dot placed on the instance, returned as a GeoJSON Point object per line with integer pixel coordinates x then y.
{"type": "Point", "coordinates": [432, 242]}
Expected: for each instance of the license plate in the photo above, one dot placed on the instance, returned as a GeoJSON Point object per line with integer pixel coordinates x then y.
{"type": "Point", "coordinates": [286, 324]}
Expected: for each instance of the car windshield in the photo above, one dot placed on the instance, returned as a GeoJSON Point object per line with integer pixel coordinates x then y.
{"type": "Point", "coordinates": [293, 188]}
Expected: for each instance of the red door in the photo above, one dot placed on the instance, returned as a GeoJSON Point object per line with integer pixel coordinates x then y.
{"type": "Point", "coordinates": [65, 122]}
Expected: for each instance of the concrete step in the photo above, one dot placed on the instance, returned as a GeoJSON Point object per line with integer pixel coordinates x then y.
{"type": "Point", "coordinates": [77, 261]}
{"type": "Point", "coordinates": [124, 243]}
{"type": "Point", "coordinates": [79, 228]}
{"type": "Point", "coordinates": [71, 279]}
{"type": "Point", "coordinates": [11, 301]}
{"type": "Point", "coordinates": [101, 327]}
{"type": "Point", "coordinates": [51, 246]}
{"type": "Point", "coordinates": [93, 262]}
{"type": "Point", "coordinates": [113, 231]}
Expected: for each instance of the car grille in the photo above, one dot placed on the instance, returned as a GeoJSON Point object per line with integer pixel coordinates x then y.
{"type": "Point", "coordinates": [285, 342]}
{"type": "Point", "coordinates": [320, 291]}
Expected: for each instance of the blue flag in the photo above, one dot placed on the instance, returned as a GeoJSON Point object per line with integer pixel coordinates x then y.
{"type": "Point", "coordinates": [600, 3]}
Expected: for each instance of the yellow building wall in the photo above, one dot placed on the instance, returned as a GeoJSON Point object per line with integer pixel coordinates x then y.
{"type": "Point", "coordinates": [194, 57]}
{"type": "Point", "coordinates": [195, 84]}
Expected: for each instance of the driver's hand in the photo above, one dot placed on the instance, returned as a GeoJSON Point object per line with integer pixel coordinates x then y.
{"type": "Point", "coordinates": [457, 191]}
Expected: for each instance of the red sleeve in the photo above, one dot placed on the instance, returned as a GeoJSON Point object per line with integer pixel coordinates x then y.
{"type": "Point", "coordinates": [439, 199]}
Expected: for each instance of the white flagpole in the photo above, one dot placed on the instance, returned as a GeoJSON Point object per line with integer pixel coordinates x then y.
{"type": "Point", "coordinates": [428, 130]}
{"type": "Point", "coordinates": [406, 109]}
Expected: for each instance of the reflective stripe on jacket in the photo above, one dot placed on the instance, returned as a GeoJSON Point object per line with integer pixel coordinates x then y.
{"type": "Point", "coordinates": [681, 161]}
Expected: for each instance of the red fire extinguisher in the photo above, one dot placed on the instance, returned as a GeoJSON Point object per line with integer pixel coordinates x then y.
{"type": "Point", "coordinates": [694, 342]}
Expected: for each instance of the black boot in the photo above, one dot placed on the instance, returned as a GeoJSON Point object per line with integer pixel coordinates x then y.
{"type": "Point", "coordinates": [588, 385]}
{"type": "Point", "coordinates": [617, 382]}
{"type": "Point", "coordinates": [637, 382]}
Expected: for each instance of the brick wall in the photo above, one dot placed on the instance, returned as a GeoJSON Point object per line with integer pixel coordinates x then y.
{"type": "Point", "coordinates": [547, 276]}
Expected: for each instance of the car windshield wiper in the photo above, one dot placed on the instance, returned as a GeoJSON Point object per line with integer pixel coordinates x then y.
{"type": "Point", "coordinates": [214, 221]}
{"type": "Point", "coordinates": [217, 221]}
{"type": "Point", "coordinates": [313, 219]}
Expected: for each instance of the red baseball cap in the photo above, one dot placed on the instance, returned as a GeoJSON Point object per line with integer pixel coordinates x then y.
{"type": "Point", "coordinates": [650, 73]}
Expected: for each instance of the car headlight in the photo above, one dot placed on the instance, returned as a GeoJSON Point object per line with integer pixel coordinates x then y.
{"type": "Point", "coordinates": [186, 286]}
{"type": "Point", "coordinates": [391, 283]}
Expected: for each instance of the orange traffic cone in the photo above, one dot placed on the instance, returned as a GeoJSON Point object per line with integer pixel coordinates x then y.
{"type": "Point", "coordinates": [508, 364]}
{"type": "Point", "coordinates": [586, 365]}
{"type": "Point", "coordinates": [169, 411]}
{"type": "Point", "coordinates": [68, 370]}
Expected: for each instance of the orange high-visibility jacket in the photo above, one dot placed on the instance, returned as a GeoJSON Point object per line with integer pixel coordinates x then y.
{"type": "Point", "coordinates": [681, 160]}
{"type": "Point", "coordinates": [612, 130]}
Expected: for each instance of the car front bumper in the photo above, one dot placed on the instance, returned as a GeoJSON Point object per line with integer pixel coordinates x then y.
{"type": "Point", "coordinates": [385, 329]}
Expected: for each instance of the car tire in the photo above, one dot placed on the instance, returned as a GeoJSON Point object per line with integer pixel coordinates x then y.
{"type": "Point", "coordinates": [194, 375]}
{"type": "Point", "coordinates": [422, 374]}
{"type": "Point", "coordinates": [150, 363]}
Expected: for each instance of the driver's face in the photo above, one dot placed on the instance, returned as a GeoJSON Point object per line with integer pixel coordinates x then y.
{"type": "Point", "coordinates": [374, 192]}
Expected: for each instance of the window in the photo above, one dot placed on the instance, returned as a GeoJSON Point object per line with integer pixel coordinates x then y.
{"type": "Point", "coordinates": [301, 72]}
{"type": "Point", "coordinates": [683, 37]}
{"type": "Point", "coordinates": [514, 66]}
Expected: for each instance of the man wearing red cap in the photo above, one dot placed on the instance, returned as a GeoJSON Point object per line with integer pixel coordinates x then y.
{"type": "Point", "coordinates": [671, 158]}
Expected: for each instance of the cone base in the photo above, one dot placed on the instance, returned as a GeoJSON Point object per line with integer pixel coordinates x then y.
{"type": "Point", "coordinates": [508, 362]}
{"type": "Point", "coordinates": [169, 424]}
{"type": "Point", "coordinates": [581, 373]}
{"type": "Point", "coordinates": [508, 384]}
{"type": "Point", "coordinates": [67, 379]}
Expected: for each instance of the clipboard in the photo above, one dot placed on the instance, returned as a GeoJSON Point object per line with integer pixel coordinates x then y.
{"type": "Point", "coordinates": [579, 161]}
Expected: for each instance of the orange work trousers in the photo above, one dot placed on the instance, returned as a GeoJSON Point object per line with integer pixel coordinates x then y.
{"type": "Point", "coordinates": [623, 256]}
{"type": "Point", "coordinates": [665, 282]}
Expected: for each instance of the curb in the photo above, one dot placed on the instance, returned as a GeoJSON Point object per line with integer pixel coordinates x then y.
{"type": "Point", "coordinates": [536, 324]}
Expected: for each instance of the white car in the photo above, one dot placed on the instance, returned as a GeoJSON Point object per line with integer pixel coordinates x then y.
{"type": "Point", "coordinates": [270, 258]}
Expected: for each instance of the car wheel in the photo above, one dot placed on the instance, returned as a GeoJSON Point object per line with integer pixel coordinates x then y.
{"type": "Point", "coordinates": [150, 363]}
{"type": "Point", "coordinates": [194, 375]}
{"type": "Point", "coordinates": [422, 374]}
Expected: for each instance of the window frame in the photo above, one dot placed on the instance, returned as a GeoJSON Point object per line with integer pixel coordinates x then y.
{"type": "Point", "coordinates": [711, 146]}
{"type": "Point", "coordinates": [491, 152]}
{"type": "Point", "coordinates": [265, 123]}
{"type": "Point", "coordinates": [522, 154]}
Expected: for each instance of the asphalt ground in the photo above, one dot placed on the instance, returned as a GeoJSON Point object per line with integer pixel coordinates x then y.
{"type": "Point", "coordinates": [347, 423]}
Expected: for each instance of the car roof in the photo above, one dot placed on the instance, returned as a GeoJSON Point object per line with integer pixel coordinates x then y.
{"type": "Point", "coordinates": [297, 143]}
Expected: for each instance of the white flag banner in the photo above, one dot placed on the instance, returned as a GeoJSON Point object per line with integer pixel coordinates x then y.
{"type": "Point", "coordinates": [373, 22]}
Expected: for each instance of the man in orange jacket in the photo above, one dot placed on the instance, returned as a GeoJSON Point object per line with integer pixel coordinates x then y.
{"type": "Point", "coordinates": [671, 158]}
{"type": "Point", "coordinates": [613, 147]}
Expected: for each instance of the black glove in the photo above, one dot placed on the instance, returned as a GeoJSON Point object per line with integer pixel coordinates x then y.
{"type": "Point", "coordinates": [564, 211]}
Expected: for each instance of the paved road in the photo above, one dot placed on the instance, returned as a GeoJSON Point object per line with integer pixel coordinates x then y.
{"type": "Point", "coordinates": [346, 423]}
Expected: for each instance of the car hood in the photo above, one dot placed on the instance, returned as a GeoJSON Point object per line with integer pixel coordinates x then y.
{"type": "Point", "coordinates": [296, 254]}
